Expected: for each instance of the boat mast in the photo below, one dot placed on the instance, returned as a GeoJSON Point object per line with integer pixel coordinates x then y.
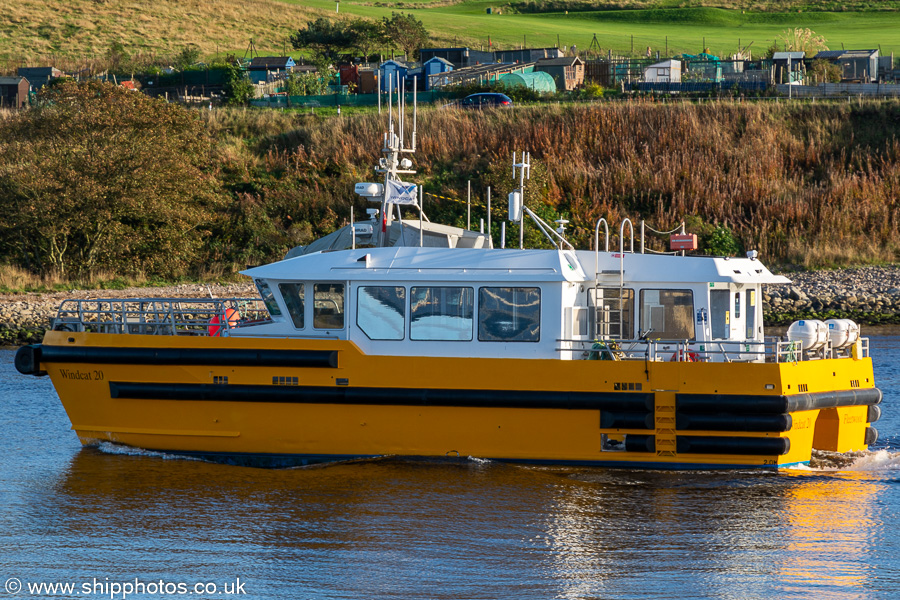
{"type": "Point", "coordinates": [391, 165]}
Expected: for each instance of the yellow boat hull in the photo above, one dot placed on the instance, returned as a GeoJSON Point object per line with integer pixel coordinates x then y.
{"type": "Point", "coordinates": [289, 401]}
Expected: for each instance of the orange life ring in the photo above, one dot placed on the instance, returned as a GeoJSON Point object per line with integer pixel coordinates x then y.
{"type": "Point", "coordinates": [685, 356]}
{"type": "Point", "coordinates": [232, 316]}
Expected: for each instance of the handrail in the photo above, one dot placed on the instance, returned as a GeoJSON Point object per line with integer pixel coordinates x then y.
{"type": "Point", "coordinates": [597, 245]}
{"type": "Point", "coordinates": [605, 235]}
{"type": "Point", "coordinates": [622, 235]}
{"type": "Point", "coordinates": [771, 349]}
{"type": "Point", "coordinates": [159, 316]}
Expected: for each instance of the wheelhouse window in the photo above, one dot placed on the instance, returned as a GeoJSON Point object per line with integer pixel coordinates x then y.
{"type": "Point", "coordinates": [441, 313]}
{"type": "Point", "coordinates": [328, 306]}
{"type": "Point", "coordinates": [292, 294]}
{"type": "Point", "coordinates": [509, 314]}
{"type": "Point", "coordinates": [381, 312]}
{"type": "Point", "coordinates": [268, 298]}
{"type": "Point", "coordinates": [667, 314]}
{"type": "Point", "coordinates": [615, 315]}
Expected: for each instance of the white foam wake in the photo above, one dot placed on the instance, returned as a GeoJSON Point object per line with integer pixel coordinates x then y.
{"type": "Point", "coordinates": [869, 460]}
{"type": "Point", "coordinates": [112, 448]}
{"type": "Point", "coordinates": [879, 460]}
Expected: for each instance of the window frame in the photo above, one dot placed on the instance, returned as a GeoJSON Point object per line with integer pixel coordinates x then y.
{"type": "Point", "coordinates": [690, 320]}
{"type": "Point", "coordinates": [343, 314]}
{"type": "Point", "coordinates": [471, 317]}
{"type": "Point", "coordinates": [510, 287]}
{"type": "Point", "coordinates": [287, 304]}
{"type": "Point", "coordinates": [405, 305]}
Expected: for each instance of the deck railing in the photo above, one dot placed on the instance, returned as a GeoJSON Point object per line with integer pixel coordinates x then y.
{"type": "Point", "coordinates": [772, 349]}
{"type": "Point", "coordinates": [160, 316]}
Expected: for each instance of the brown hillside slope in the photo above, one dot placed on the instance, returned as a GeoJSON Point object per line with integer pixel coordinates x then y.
{"type": "Point", "coordinates": [36, 30]}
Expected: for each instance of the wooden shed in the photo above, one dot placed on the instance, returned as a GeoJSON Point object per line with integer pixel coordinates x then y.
{"type": "Point", "coordinates": [13, 92]}
{"type": "Point", "coordinates": [567, 72]}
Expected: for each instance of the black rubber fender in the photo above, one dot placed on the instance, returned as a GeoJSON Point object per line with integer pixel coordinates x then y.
{"type": "Point", "coordinates": [871, 436]}
{"type": "Point", "coordinates": [736, 445]}
{"type": "Point", "coordinates": [733, 422]}
{"type": "Point", "coordinates": [775, 404]}
{"type": "Point", "coordinates": [874, 413]}
{"type": "Point", "coordinates": [640, 443]}
{"type": "Point", "coordinates": [610, 419]}
{"type": "Point", "coordinates": [28, 360]}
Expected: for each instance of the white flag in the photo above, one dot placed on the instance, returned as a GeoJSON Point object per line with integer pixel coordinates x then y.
{"type": "Point", "coordinates": [401, 193]}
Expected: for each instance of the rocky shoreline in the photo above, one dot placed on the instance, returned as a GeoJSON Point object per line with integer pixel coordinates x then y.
{"type": "Point", "coordinates": [868, 295]}
{"type": "Point", "coordinates": [25, 317]}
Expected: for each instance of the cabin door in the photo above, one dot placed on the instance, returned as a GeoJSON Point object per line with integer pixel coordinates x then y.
{"type": "Point", "coordinates": [720, 313]}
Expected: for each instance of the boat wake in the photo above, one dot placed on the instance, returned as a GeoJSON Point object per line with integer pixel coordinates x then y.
{"type": "Point", "coordinates": [112, 448]}
{"type": "Point", "coordinates": [868, 460]}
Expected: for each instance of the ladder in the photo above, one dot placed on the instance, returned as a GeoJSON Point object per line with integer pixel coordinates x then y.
{"type": "Point", "coordinates": [609, 302]}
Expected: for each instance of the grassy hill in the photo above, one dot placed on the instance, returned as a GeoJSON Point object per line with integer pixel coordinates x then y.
{"type": "Point", "coordinates": [72, 33]}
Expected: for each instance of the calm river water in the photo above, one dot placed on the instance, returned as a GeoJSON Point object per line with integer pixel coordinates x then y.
{"type": "Point", "coordinates": [105, 519]}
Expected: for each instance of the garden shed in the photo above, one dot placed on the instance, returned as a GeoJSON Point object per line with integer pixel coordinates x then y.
{"type": "Point", "coordinates": [788, 66]}
{"type": "Point", "coordinates": [38, 77]}
{"type": "Point", "coordinates": [13, 92]}
{"type": "Point", "coordinates": [567, 72]}
{"type": "Point", "coordinates": [262, 68]}
{"type": "Point", "coordinates": [667, 71]}
{"type": "Point", "coordinates": [391, 72]}
{"type": "Point", "coordinates": [857, 66]}
{"type": "Point", "coordinates": [435, 66]}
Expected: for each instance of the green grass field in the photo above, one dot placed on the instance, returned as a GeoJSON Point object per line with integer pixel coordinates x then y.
{"type": "Point", "coordinates": [41, 32]}
{"type": "Point", "coordinates": [678, 29]}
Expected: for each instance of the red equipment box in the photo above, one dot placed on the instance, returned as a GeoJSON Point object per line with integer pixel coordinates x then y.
{"type": "Point", "coordinates": [683, 241]}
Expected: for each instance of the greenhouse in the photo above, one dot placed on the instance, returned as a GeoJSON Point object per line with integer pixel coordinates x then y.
{"type": "Point", "coordinates": [536, 80]}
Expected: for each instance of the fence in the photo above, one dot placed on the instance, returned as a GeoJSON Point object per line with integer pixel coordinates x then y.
{"type": "Point", "coordinates": [345, 99]}
{"type": "Point", "coordinates": [701, 87]}
{"type": "Point", "coordinates": [841, 89]}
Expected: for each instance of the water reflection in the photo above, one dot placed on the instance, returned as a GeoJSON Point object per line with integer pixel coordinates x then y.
{"type": "Point", "coordinates": [833, 526]}
{"type": "Point", "coordinates": [721, 535]}
{"type": "Point", "coordinates": [436, 529]}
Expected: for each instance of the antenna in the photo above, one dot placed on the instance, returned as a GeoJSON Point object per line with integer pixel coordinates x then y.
{"type": "Point", "coordinates": [415, 111]}
{"type": "Point", "coordinates": [517, 197]}
{"type": "Point", "coordinates": [390, 111]}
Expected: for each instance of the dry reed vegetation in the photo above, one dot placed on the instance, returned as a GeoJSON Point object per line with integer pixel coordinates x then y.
{"type": "Point", "coordinates": [82, 28]}
{"type": "Point", "coordinates": [811, 184]}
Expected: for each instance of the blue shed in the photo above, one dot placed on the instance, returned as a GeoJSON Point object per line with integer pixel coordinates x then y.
{"type": "Point", "coordinates": [435, 66]}
{"type": "Point", "coordinates": [391, 72]}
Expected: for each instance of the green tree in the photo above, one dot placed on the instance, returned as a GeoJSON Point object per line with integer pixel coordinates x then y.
{"type": "Point", "coordinates": [117, 58]}
{"type": "Point", "coordinates": [823, 71]}
{"type": "Point", "coordinates": [189, 55]}
{"type": "Point", "coordinates": [367, 36]}
{"type": "Point", "coordinates": [325, 38]}
{"type": "Point", "coordinates": [101, 177]}
{"type": "Point", "coordinates": [237, 89]}
{"type": "Point", "coordinates": [406, 32]}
